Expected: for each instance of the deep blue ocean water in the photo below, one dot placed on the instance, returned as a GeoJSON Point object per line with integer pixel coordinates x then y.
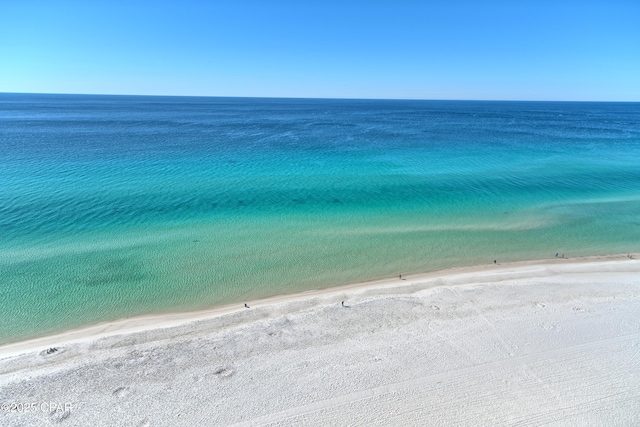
{"type": "Point", "coordinates": [112, 206]}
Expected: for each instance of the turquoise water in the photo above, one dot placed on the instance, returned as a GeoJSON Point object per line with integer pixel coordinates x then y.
{"type": "Point", "coordinates": [117, 206]}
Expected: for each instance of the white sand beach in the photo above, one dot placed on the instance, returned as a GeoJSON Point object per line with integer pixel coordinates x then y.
{"type": "Point", "coordinates": [552, 342]}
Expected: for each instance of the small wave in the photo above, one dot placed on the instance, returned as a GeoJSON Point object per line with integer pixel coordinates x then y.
{"type": "Point", "coordinates": [478, 227]}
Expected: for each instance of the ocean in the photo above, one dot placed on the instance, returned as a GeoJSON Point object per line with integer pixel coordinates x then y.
{"type": "Point", "coordinates": [115, 206]}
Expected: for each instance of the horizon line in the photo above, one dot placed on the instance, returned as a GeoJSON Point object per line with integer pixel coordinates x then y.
{"type": "Point", "coordinates": [314, 98]}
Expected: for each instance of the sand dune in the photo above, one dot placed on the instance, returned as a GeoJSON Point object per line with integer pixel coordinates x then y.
{"type": "Point", "coordinates": [536, 343]}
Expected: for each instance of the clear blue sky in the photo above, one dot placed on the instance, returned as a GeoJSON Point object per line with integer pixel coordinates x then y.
{"type": "Point", "coordinates": [448, 49]}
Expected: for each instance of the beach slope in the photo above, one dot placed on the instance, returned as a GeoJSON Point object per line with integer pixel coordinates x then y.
{"type": "Point", "coordinates": [538, 343]}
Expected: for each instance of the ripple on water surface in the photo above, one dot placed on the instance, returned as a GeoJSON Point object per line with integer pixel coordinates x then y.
{"type": "Point", "coordinates": [117, 206]}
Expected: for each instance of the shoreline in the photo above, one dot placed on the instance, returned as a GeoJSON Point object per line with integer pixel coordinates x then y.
{"type": "Point", "coordinates": [539, 342]}
{"type": "Point", "coordinates": [453, 276]}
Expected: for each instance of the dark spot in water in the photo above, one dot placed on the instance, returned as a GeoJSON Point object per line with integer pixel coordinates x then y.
{"type": "Point", "coordinates": [122, 271]}
{"type": "Point", "coordinates": [336, 200]}
{"type": "Point", "coordinates": [241, 203]}
{"type": "Point", "coordinates": [195, 241]}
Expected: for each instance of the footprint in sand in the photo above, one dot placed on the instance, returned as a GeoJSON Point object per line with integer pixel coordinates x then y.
{"type": "Point", "coordinates": [548, 326]}
{"type": "Point", "coordinates": [224, 372]}
{"type": "Point", "coordinates": [59, 416]}
{"type": "Point", "coordinates": [121, 392]}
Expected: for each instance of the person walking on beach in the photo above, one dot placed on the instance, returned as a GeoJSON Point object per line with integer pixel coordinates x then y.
{"type": "Point", "coordinates": [343, 303]}
{"type": "Point", "coordinates": [245, 305]}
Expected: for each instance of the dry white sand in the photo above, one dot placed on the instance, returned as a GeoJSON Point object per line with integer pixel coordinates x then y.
{"type": "Point", "coordinates": [541, 343]}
